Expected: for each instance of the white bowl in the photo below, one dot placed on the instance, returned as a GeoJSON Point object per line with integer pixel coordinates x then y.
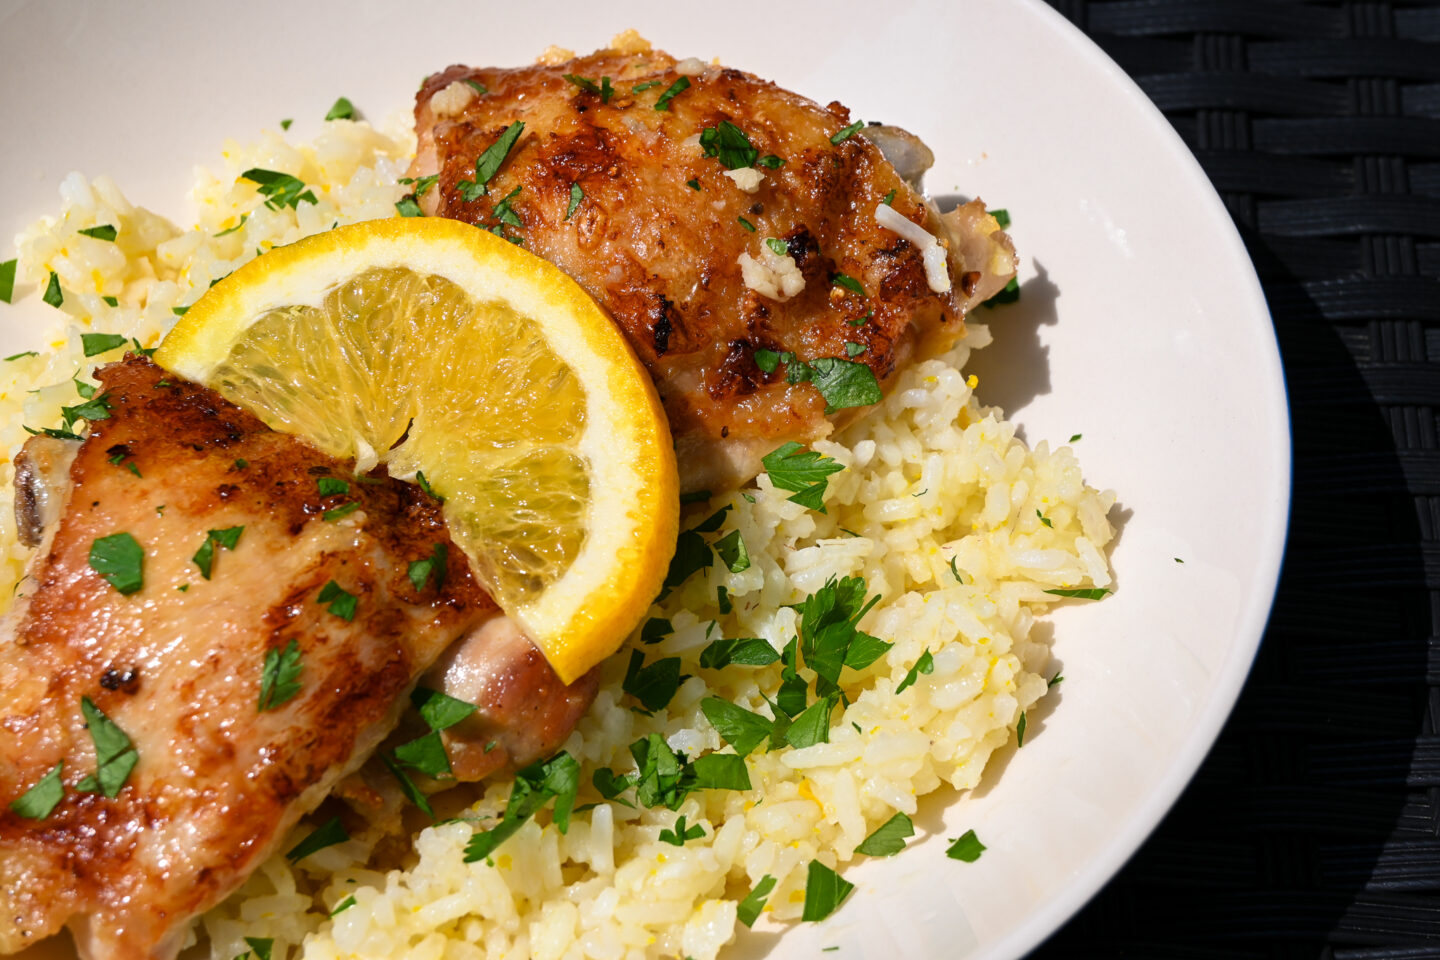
{"type": "Point", "coordinates": [1141, 327]}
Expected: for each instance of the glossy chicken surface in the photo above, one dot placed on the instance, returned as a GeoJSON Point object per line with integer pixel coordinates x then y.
{"type": "Point", "coordinates": [524, 711]}
{"type": "Point", "coordinates": [179, 665]}
{"type": "Point", "coordinates": [610, 180]}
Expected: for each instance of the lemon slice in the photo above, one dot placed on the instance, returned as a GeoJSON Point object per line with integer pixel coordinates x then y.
{"type": "Point", "coordinates": [435, 347]}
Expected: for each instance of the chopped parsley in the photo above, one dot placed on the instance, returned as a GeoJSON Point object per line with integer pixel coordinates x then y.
{"type": "Point", "coordinates": [422, 184]}
{"type": "Point", "coordinates": [792, 467]}
{"type": "Point", "coordinates": [1045, 520]}
{"type": "Point", "coordinates": [844, 383]}
{"type": "Point", "coordinates": [343, 510]}
{"type": "Point", "coordinates": [854, 349]}
{"type": "Point", "coordinates": [749, 910]}
{"type": "Point", "coordinates": [111, 301]}
{"type": "Point", "coordinates": [407, 786]}
{"type": "Point", "coordinates": [576, 195]}
{"type": "Point", "coordinates": [747, 651]}
{"type": "Point", "coordinates": [1093, 593]}
{"type": "Point", "coordinates": [285, 124]}
{"type": "Point", "coordinates": [427, 755]}
{"type": "Point", "coordinates": [655, 630]}
{"type": "Point", "coordinates": [40, 800]}
{"type": "Point", "coordinates": [205, 557]}
{"type": "Point", "coordinates": [488, 163]}
{"type": "Point", "coordinates": [611, 786]}
{"type": "Point", "coordinates": [722, 599]}
{"type": "Point", "coordinates": [824, 891]}
{"type": "Point", "coordinates": [732, 552]}
{"type": "Point", "coordinates": [279, 189]}
{"type": "Point", "coordinates": [829, 638]}
{"type": "Point", "coordinates": [332, 486]}
{"type": "Point", "coordinates": [770, 162]}
{"type": "Point", "coordinates": [102, 232]}
{"type": "Point", "coordinates": [342, 109]}
{"type": "Point", "coordinates": [22, 355]}
{"type": "Point", "coordinates": [642, 87]}
{"type": "Point", "coordinates": [693, 184]}
{"type": "Point", "coordinates": [243, 218]}
{"type": "Point", "coordinates": [440, 711]}
{"type": "Point", "coordinates": [1054, 680]}
{"type": "Point", "coordinates": [120, 560]}
{"type": "Point", "coordinates": [665, 778]}
{"type": "Point", "coordinates": [889, 838]}
{"type": "Point", "coordinates": [750, 227]}
{"type": "Point", "coordinates": [53, 296]}
{"type": "Point", "coordinates": [692, 554]}
{"type": "Point", "coordinates": [845, 133]}
{"type": "Point", "coordinates": [1020, 731]}
{"type": "Point", "coordinates": [925, 664]}
{"type": "Point", "coordinates": [1074, 437]}
{"type": "Point", "coordinates": [343, 604]}
{"type": "Point", "coordinates": [505, 216]}
{"type": "Point", "coordinates": [728, 144]}
{"type": "Point", "coordinates": [848, 282]}
{"type": "Point", "coordinates": [812, 726]}
{"type": "Point", "coordinates": [53, 432]}
{"type": "Point", "coordinates": [425, 485]}
{"type": "Point", "coordinates": [262, 946]}
{"type": "Point", "coordinates": [431, 568]}
{"type": "Point", "coordinates": [94, 408]}
{"type": "Point", "coordinates": [968, 848]}
{"type": "Point", "coordinates": [653, 685]}
{"type": "Point", "coordinates": [777, 246]}
{"type": "Point", "coordinates": [409, 205]}
{"type": "Point", "coordinates": [115, 756]}
{"type": "Point", "coordinates": [602, 89]}
{"type": "Point", "coordinates": [7, 280]}
{"type": "Point", "coordinates": [889, 199]}
{"type": "Point", "coordinates": [1002, 217]}
{"type": "Point", "coordinates": [477, 86]}
{"type": "Point", "coordinates": [280, 676]}
{"type": "Point", "coordinates": [327, 834]}
{"type": "Point", "coordinates": [343, 905]}
{"type": "Point", "coordinates": [179, 311]}
{"type": "Point", "coordinates": [741, 728]}
{"type": "Point", "coordinates": [671, 92]}
{"type": "Point", "coordinates": [681, 833]}
{"type": "Point", "coordinates": [535, 786]}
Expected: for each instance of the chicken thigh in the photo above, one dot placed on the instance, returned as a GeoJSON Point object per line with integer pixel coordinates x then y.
{"type": "Point", "coordinates": [735, 231]}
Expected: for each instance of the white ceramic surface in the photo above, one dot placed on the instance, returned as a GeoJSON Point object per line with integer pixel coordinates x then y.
{"type": "Point", "coordinates": [1141, 327]}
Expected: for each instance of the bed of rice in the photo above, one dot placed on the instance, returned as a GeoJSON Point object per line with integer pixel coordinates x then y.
{"type": "Point", "coordinates": [932, 478]}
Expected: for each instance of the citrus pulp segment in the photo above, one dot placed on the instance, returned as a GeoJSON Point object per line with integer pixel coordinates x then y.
{"type": "Point", "coordinates": [434, 347]}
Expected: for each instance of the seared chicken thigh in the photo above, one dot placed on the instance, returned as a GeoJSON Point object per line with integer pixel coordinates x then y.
{"type": "Point", "coordinates": [724, 223]}
{"type": "Point", "coordinates": [167, 716]}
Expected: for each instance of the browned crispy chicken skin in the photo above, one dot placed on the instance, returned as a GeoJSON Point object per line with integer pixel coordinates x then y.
{"type": "Point", "coordinates": [621, 196]}
{"type": "Point", "coordinates": [178, 664]}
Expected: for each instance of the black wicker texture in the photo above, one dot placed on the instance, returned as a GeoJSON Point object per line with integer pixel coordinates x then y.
{"type": "Point", "coordinates": [1313, 829]}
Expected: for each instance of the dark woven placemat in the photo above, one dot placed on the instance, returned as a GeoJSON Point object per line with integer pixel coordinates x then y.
{"type": "Point", "coordinates": [1313, 829]}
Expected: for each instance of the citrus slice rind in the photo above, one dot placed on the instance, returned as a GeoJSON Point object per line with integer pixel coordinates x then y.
{"type": "Point", "coordinates": [431, 345]}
